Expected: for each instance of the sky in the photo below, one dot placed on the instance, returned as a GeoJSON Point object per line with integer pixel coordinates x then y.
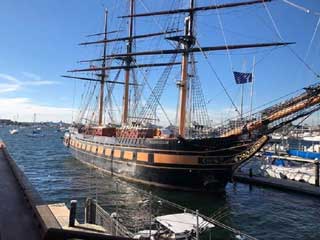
{"type": "Point", "coordinates": [39, 43]}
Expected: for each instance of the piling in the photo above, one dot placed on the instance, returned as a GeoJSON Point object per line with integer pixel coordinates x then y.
{"type": "Point", "coordinates": [90, 211]}
{"type": "Point", "coordinates": [73, 211]}
{"type": "Point", "coordinates": [197, 229]}
{"type": "Point", "coordinates": [317, 173]}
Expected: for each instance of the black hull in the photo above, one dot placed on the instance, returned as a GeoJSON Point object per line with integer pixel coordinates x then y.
{"type": "Point", "coordinates": [193, 165]}
{"type": "Point", "coordinates": [186, 178]}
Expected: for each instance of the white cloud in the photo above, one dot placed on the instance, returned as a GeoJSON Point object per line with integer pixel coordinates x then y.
{"type": "Point", "coordinates": [31, 76]}
{"type": "Point", "coordinates": [6, 87]}
{"type": "Point", "coordinates": [9, 78]}
{"type": "Point", "coordinates": [39, 83]}
{"type": "Point", "coordinates": [25, 108]}
{"type": "Point", "coordinates": [10, 83]}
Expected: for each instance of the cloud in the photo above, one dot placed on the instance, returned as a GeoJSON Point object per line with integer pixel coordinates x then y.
{"type": "Point", "coordinates": [39, 83]}
{"type": "Point", "coordinates": [31, 76]}
{"type": "Point", "coordinates": [35, 80]}
{"type": "Point", "coordinates": [8, 78]}
{"type": "Point", "coordinates": [10, 83]}
{"type": "Point", "coordinates": [25, 108]}
{"type": "Point", "coordinates": [5, 87]}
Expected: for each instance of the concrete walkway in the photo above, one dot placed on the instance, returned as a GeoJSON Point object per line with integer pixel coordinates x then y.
{"type": "Point", "coordinates": [16, 220]}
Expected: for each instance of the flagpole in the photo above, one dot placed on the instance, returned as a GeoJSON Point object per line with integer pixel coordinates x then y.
{"type": "Point", "coordinates": [242, 91]}
{"type": "Point", "coordinates": [241, 106]}
{"type": "Point", "coordinates": [252, 84]}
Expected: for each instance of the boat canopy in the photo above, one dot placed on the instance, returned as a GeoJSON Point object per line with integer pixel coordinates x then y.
{"type": "Point", "coordinates": [304, 154]}
{"type": "Point", "coordinates": [183, 222]}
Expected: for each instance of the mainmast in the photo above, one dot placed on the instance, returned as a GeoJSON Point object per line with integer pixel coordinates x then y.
{"type": "Point", "coordinates": [103, 70]}
{"type": "Point", "coordinates": [128, 61]}
{"type": "Point", "coordinates": [187, 42]}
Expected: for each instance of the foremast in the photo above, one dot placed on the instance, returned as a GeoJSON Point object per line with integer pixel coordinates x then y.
{"type": "Point", "coordinates": [128, 61]}
{"type": "Point", "coordinates": [187, 42]}
{"type": "Point", "coordinates": [103, 70]}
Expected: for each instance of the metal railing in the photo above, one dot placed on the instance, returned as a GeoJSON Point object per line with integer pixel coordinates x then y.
{"type": "Point", "coordinates": [95, 214]}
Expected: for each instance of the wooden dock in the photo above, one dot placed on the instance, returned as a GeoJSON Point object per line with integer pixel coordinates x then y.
{"type": "Point", "coordinates": [277, 183]}
{"type": "Point", "coordinates": [24, 215]}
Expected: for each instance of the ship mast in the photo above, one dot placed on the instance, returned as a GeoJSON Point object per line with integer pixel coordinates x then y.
{"type": "Point", "coordinates": [128, 61]}
{"type": "Point", "coordinates": [103, 71]}
{"type": "Point", "coordinates": [187, 43]}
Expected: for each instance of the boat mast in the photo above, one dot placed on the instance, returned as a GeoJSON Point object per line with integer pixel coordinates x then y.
{"type": "Point", "coordinates": [187, 43]}
{"type": "Point", "coordinates": [103, 71]}
{"type": "Point", "coordinates": [128, 61]}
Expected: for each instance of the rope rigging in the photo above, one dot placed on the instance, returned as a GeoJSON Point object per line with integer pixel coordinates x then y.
{"type": "Point", "coordinates": [218, 78]}
{"type": "Point", "coordinates": [290, 48]}
{"type": "Point", "coordinates": [153, 101]}
{"type": "Point", "coordinates": [299, 7]}
{"type": "Point", "coordinates": [224, 36]}
{"type": "Point", "coordinates": [199, 119]}
{"type": "Point", "coordinates": [312, 39]}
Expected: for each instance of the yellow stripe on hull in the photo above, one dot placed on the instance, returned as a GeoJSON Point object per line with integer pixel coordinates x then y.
{"type": "Point", "coordinates": [175, 159]}
{"type": "Point", "coordinates": [142, 156]}
{"type": "Point", "coordinates": [117, 153]}
{"type": "Point", "coordinates": [128, 155]}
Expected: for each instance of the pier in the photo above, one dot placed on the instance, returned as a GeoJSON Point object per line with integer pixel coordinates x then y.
{"type": "Point", "coordinates": [24, 215]}
{"type": "Point", "coordinates": [279, 183]}
{"type": "Point", "coordinates": [16, 217]}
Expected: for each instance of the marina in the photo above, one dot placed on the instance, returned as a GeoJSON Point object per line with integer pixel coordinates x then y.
{"type": "Point", "coordinates": [56, 221]}
{"type": "Point", "coordinates": [160, 120]}
{"type": "Point", "coordinates": [237, 207]}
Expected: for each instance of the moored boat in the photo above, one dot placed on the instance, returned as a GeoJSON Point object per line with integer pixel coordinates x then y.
{"type": "Point", "coordinates": [193, 155]}
{"type": "Point", "coordinates": [14, 131]}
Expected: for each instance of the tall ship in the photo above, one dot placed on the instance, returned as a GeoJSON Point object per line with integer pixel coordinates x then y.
{"type": "Point", "coordinates": [191, 153]}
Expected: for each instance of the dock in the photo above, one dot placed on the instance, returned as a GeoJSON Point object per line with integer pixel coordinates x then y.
{"type": "Point", "coordinates": [14, 209]}
{"type": "Point", "coordinates": [281, 184]}
{"type": "Point", "coordinates": [24, 215]}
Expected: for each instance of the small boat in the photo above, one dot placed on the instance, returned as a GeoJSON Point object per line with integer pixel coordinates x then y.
{"type": "Point", "coordinates": [278, 136]}
{"type": "Point", "coordinates": [285, 167]}
{"type": "Point", "coordinates": [312, 138]}
{"type": "Point", "coordinates": [36, 133]}
{"type": "Point", "coordinates": [13, 131]}
{"type": "Point", "coordinates": [176, 226]}
{"type": "Point", "coordinates": [304, 154]}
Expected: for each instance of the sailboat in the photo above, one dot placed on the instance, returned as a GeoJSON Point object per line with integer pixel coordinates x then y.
{"type": "Point", "coordinates": [36, 131]}
{"type": "Point", "coordinates": [190, 155]}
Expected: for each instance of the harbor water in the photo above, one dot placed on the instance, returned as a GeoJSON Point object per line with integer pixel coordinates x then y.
{"type": "Point", "coordinates": [263, 213]}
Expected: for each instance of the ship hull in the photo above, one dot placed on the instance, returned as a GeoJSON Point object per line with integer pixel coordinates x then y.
{"type": "Point", "coordinates": [162, 163]}
{"type": "Point", "coordinates": [182, 177]}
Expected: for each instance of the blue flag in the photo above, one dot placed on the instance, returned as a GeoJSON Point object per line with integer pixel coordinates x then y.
{"type": "Point", "coordinates": [242, 78]}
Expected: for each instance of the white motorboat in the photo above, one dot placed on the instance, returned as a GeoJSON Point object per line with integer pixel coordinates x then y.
{"type": "Point", "coordinates": [312, 138]}
{"type": "Point", "coordinates": [13, 131]}
{"type": "Point", "coordinates": [176, 226]}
